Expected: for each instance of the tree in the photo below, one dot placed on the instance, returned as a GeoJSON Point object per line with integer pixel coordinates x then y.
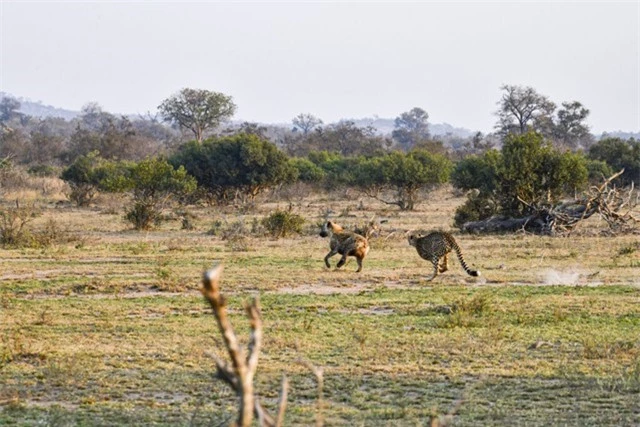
{"type": "Point", "coordinates": [306, 122]}
{"type": "Point", "coordinates": [85, 176]}
{"type": "Point", "coordinates": [152, 183]}
{"type": "Point", "coordinates": [240, 165]}
{"type": "Point", "coordinates": [619, 154]}
{"type": "Point", "coordinates": [9, 109]}
{"type": "Point", "coordinates": [113, 137]}
{"type": "Point", "coordinates": [46, 143]}
{"type": "Point", "coordinates": [250, 128]}
{"type": "Point", "coordinates": [522, 109]}
{"type": "Point", "coordinates": [345, 138]}
{"type": "Point", "coordinates": [526, 174]}
{"type": "Point", "coordinates": [534, 173]}
{"type": "Point", "coordinates": [411, 128]}
{"type": "Point", "coordinates": [197, 110]}
{"type": "Point", "coordinates": [570, 129]}
{"type": "Point", "coordinates": [403, 174]}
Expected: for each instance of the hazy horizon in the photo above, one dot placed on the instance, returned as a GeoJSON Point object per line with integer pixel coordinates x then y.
{"type": "Point", "coordinates": [333, 60]}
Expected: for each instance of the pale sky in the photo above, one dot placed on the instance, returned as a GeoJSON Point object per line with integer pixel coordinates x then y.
{"type": "Point", "coordinates": [331, 59]}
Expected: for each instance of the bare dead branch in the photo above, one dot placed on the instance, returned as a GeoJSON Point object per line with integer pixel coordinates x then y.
{"type": "Point", "coordinates": [282, 401]}
{"type": "Point", "coordinates": [319, 374]}
{"type": "Point", "coordinates": [239, 376]}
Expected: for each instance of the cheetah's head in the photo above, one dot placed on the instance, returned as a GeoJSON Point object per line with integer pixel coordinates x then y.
{"type": "Point", "coordinates": [413, 238]}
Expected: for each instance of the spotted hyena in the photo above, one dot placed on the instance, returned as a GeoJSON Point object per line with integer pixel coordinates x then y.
{"type": "Point", "coordinates": [344, 242]}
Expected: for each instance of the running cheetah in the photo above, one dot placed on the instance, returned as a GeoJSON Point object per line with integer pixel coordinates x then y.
{"type": "Point", "coordinates": [435, 247]}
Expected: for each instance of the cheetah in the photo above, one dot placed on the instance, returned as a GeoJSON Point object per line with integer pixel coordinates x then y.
{"type": "Point", "coordinates": [435, 247]}
{"type": "Point", "coordinates": [345, 243]}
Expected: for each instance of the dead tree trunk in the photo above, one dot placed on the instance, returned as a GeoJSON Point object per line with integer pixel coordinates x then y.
{"type": "Point", "coordinates": [614, 206]}
{"type": "Point", "coordinates": [243, 363]}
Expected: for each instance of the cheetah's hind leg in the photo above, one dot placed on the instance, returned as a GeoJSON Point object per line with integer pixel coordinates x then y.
{"type": "Point", "coordinates": [443, 265]}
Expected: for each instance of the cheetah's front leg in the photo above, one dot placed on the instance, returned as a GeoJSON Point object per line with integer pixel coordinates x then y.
{"type": "Point", "coordinates": [434, 261]}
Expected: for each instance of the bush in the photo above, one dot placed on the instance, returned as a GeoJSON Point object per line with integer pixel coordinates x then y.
{"type": "Point", "coordinates": [476, 208]}
{"type": "Point", "coordinates": [307, 170]}
{"type": "Point", "coordinates": [280, 223]}
{"type": "Point", "coordinates": [44, 171]}
{"type": "Point", "coordinates": [242, 165]}
{"type": "Point", "coordinates": [143, 216]}
{"type": "Point", "coordinates": [232, 230]}
{"type": "Point", "coordinates": [478, 172]}
{"type": "Point", "coordinates": [598, 171]}
{"type": "Point", "coordinates": [527, 172]}
{"type": "Point", "coordinates": [152, 183]}
{"type": "Point", "coordinates": [89, 174]}
{"type": "Point", "coordinates": [403, 174]}
{"type": "Point", "coordinates": [13, 225]}
{"type": "Point", "coordinates": [619, 154]}
{"type": "Point", "coordinates": [16, 230]}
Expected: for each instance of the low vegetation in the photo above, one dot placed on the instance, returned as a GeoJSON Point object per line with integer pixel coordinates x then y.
{"type": "Point", "coordinates": [110, 327]}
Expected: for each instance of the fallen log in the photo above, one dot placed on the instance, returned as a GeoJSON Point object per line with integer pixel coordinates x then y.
{"type": "Point", "coordinates": [613, 205]}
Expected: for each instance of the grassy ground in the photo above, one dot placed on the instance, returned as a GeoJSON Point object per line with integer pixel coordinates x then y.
{"type": "Point", "coordinates": [107, 326]}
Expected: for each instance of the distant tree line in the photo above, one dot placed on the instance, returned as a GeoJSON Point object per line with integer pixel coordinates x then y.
{"type": "Point", "coordinates": [191, 152]}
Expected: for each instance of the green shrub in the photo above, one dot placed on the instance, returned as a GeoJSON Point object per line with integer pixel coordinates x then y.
{"type": "Point", "coordinates": [619, 154]}
{"type": "Point", "coordinates": [476, 208]}
{"type": "Point", "coordinates": [241, 165]}
{"type": "Point", "coordinates": [527, 172]}
{"type": "Point", "coordinates": [143, 216]}
{"type": "Point", "coordinates": [280, 223]}
{"type": "Point", "coordinates": [43, 171]}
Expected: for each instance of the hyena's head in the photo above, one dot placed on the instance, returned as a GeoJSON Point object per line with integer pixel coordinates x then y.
{"type": "Point", "coordinates": [325, 229]}
{"type": "Point", "coordinates": [329, 228]}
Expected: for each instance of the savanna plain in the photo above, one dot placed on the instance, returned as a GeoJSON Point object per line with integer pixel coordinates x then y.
{"type": "Point", "coordinates": [106, 325]}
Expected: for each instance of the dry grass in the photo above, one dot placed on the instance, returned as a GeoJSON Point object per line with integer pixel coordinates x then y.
{"type": "Point", "coordinates": [108, 328]}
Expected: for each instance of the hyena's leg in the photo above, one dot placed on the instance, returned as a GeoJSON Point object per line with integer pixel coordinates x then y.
{"type": "Point", "coordinates": [342, 260]}
{"type": "Point", "coordinates": [331, 253]}
{"type": "Point", "coordinates": [359, 264]}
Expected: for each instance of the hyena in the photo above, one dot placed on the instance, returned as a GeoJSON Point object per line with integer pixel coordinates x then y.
{"type": "Point", "coordinates": [345, 243]}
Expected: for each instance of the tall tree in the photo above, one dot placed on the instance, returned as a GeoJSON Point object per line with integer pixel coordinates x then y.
{"type": "Point", "coordinates": [306, 122]}
{"type": "Point", "coordinates": [344, 137]}
{"type": "Point", "coordinates": [8, 109]}
{"type": "Point", "coordinates": [522, 109]}
{"type": "Point", "coordinates": [197, 110]}
{"type": "Point", "coordinates": [113, 137]}
{"type": "Point", "coordinates": [411, 128]}
{"type": "Point", "coordinates": [570, 129]}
